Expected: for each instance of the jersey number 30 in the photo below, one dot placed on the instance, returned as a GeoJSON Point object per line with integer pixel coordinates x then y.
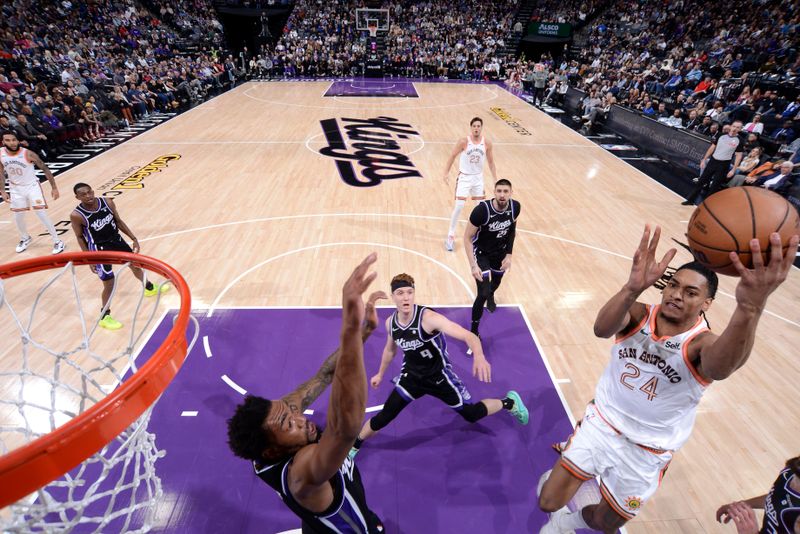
{"type": "Point", "coordinates": [649, 388]}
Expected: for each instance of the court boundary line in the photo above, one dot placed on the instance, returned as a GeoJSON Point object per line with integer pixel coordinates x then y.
{"type": "Point", "coordinates": [495, 94]}
{"type": "Point", "coordinates": [595, 144]}
{"type": "Point", "coordinates": [146, 132]}
{"type": "Point", "coordinates": [309, 139]}
{"type": "Point", "coordinates": [258, 265]}
{"type": "Point", "coordinates": [428, 217]}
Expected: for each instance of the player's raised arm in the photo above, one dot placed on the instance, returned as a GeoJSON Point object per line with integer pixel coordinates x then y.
{"type": "Point", "coordinates": [314, 466]}
{"type": "Point", "coordinates": [307, 392]}
{"type": "Point", "coordinates": [622, 311]}
{"type": "Point", "coordinates": [720, 358]}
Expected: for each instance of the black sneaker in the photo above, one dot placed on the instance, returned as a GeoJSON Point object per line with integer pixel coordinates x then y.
{"type": "Point", "coordinates": [687, 203]}
{"type": "Point", "coordinates": [491, 305]}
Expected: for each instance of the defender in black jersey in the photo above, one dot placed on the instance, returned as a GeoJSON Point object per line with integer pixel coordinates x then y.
{"type": "Point", "coordinates": [96, 224]}
{"type": "Point", "coordinates": [310, 469]}
{"type": "Point", "coordinates": [419, 332]}
{"type": "Point", "coordinates": [781, 506]}
{"type": "Point", "coordinates": [489, 242]}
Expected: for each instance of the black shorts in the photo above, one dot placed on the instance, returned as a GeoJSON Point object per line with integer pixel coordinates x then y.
{"type": "Point", "coordinates": [445, 386]}
{"type": "Point", "coordinates": [106, 272]}
{"type": "Point", "coordinates": [489, 262]}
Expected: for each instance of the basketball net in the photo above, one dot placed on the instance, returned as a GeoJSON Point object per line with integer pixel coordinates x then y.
{"type": "Point", "coordinates": [54, 381]}
{"type": "Point", "coordinates": [373, 29]}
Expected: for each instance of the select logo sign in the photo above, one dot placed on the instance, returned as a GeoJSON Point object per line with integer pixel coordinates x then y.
{"type": "Point", "coordinates": [371, 153]}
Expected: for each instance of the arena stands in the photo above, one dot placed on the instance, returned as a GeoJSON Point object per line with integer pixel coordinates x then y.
{"type": "Point", "coordinates": [695, 58]}
{"type": "Point", "coordinates": [426, 39]}
{"type": "Point", "coordinates": [696, 66]}
{"type": "Point", "coordinates": [73, 70]}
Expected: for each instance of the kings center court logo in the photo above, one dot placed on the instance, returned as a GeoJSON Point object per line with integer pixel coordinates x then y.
{"type": "Point", "coordinates": [372, 152]}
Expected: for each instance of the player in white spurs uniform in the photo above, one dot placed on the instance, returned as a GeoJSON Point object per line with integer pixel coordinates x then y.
{"type": "Point", "coordinates": [25, 192]}
{"type": "Point", "coordinates": [474, 150]}
{"type": "Point", "coordinates": [663, 359]}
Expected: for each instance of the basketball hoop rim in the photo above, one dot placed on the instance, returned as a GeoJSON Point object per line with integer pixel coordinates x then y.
{"type": "Point", "coordinates": [27, 468]}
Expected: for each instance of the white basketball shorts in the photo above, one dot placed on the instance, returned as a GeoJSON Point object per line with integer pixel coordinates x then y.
{"type": "Point", "coordinates": [25, 197]}
{"type": "Point", "coordinates": [470, 186]}
{"type": "Point", "coordinates": [629, 473]}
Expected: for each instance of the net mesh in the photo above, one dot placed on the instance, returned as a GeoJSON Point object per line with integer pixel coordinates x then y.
{"type": "Point", "coordinates": [48, 377]}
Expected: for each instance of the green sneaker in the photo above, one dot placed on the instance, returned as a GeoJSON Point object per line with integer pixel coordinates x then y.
{"type": "Point", "coordinates": [157, 288]}
{"type": "Point", "coordinates": [519, 410]}
{"type": "Point", "coordinates": [109, 323]}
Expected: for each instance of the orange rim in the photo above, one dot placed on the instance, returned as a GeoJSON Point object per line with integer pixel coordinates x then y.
{"type": "Point", "coordinates": [28, 468]}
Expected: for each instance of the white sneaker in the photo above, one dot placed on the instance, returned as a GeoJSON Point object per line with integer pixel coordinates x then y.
{"type": "Point", "coordinates": [58, 247]}
{"type": "Point", "coordinates": [23, 244]}
{"type": "Point", "coordinates": [553, 525]}
{"type": "Point", "coordinates": [450, 243]}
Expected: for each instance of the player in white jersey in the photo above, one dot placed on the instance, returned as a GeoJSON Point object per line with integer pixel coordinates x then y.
{"type": "Point", "coordinates": [474, 150]}
{"type": "Point", "coordinates": [25, 192]}
{"type": "Point", "coordinates": [663, 359]}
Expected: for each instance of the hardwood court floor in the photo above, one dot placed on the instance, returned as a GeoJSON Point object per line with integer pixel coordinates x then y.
{"type": "Point", "coordinates": [253, 215]}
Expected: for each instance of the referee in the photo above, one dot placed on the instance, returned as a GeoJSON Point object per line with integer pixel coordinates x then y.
{"type": "Point", "coordinates": [488, 242]}
{"type": "Point", "coordinates": [716, 164]}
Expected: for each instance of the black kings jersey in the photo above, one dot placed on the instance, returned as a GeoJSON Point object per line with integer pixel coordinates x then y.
{"type": "Point", "coordinates": [347, 514]}
{"type": "Point", "coordinates": [424, 354]}
{"type": "Point", "coordinates": [100, 226]}
{"type": "Point", "coordinates": [495, 228]}
{"type": "Point", "coordinates": [782, 507]}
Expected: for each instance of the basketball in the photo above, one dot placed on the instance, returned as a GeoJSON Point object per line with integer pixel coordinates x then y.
{"type": "Point", "coordinates": [727, 221]}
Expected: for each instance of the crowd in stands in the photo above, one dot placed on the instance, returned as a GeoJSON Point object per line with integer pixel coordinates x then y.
{"type": "Point", "coordinates": [699, 66]}
{"type": "Point", "coordinates": [74, 70]}
{"type": "Point", "coordinates": [430, 38]}
{"type": "Point", "coordinates": [563, 11]}
{"type": "Point", "coordinates": [450, 39]}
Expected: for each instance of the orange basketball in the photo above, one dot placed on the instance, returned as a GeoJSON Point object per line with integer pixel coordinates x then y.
{"type": "Point", "coordinates": [727, 221]}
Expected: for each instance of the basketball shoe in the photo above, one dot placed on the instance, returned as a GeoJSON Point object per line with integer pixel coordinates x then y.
{"type": "Point", "coordinates": [58, 247]}
{"type": "Point", "coordinates": [23, 244]}
{"type": "Point", "coordinates": [109, 323]}
{"type": "Point", "coordinates": [156, 289]}
{"type": "Point", "coordinates": [450, 243]}
{"type": "Point", "coordinates": [519, 411]}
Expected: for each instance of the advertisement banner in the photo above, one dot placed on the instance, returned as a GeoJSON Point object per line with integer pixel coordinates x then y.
{"type": "Point", "coordinates": [550, 29]}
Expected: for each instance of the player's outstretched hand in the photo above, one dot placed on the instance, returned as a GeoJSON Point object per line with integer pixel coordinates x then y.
{"type": "Point", "coordinates": [742, 515]}
{"type": "Point", "coordinates": [757, 283]}
{"type": "Point", "coordinates": [482, 369]}
{"type": "Point", "coordinates": [5, 196]}
{"type": "Point", "coordinates": [645, 270]}
{"type": "Point", "coordinates": [371, 320]}
{"type": "Point", "coordinates": [353, 291]}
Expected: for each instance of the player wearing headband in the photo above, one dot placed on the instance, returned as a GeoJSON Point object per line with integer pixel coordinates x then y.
{"type": "Point", "coordinates": [419, 332]}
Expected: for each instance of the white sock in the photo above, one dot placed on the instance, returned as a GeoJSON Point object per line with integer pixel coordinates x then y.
{"type": "Point", "coordinates": [19, 218]}
{"type": "Point", "coordinates": [573, 521]}
{"type": "Point", "coordinates": [47, 224]}
{"type": "Point", "coordinates": [454, 217]}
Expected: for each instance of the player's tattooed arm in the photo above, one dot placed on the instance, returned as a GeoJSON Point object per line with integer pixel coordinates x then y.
{"type": "Point", "coordinates": [311, 389]}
